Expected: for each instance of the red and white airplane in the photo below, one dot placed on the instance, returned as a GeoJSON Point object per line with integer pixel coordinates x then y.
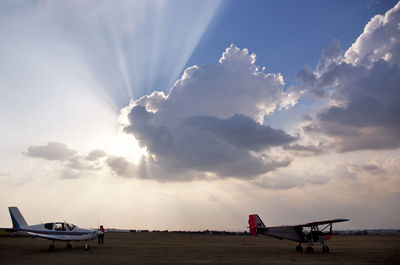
{"type": "Point", "coordinates": [309, 233]}
{"type": "Point", "coordinates": [57, 231]}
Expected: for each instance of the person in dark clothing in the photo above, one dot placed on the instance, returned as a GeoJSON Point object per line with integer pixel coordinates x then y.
{"type": "Point", "coordinates": [100, 237]}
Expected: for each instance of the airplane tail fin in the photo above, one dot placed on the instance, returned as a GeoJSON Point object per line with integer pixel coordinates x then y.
{"type": "Point", "coordinates": [17, 218]}
{"type": "Point", "coordinates": [255, 223]}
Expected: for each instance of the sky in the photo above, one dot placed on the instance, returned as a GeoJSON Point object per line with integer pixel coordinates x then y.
{"type": "Point", "coordinates": [191, 115]}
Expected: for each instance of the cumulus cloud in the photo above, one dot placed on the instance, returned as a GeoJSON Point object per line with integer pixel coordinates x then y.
{"type": "Point", "coordinates": [317, 80]}
{"type": "Point", "coordinates": [257, 137]}
{"type": "Point", "coordinates": [96, 154]}
{"type": "Point", "coordinates": [364, 112]}
{"type": "Point", "coordinates": [380, 39]}
{"type": "Point", "coordinates": [51, 151]}
{"type": "Point", "coordinates": [70, 159]}
{"type": "Point", "coordinates": [210, 123]}
{"type": "Point", "coordinates": [121, 166]}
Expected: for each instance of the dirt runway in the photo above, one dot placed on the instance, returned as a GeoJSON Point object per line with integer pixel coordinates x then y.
{"type": "Point", "coordinates": [176, 248]}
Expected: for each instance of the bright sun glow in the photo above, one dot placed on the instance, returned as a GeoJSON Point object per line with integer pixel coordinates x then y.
{"type": "Point", "coordinates": [125, 145]}
{"type": "Point", "coordinates": [119, 143]}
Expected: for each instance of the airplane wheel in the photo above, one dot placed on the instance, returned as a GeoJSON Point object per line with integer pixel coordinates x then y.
{"type": "Point", "coordinates": [69, 246]}
{"type": "Point", "coordinates": [325, 249]}
{"type": "Point", "coordinates": [52, 248]}
{"type": "Point", "coordinates": [309, 249]}
{"type": "Point", "coordinates": [86, 248]}
{"type": "Point", "coordinates": [299, 248]}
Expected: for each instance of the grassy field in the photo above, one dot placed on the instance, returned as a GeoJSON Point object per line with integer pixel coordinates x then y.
{"type": "Point", "coordinates": [170, 248]}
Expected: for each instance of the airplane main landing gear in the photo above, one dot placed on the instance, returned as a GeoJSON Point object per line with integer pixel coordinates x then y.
{"type": "Point", "coordinates": [52, 248]}
{"type": "Point", "coordinates": [299, 248]}
{"type": "Point", "coordinates": [309, 249]}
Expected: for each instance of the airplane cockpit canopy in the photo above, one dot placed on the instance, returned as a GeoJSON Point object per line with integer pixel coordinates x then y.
{"type": "Point", "coordinates": [59, 226]}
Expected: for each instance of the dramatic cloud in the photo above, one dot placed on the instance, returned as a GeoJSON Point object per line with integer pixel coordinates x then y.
{"type": "Point", "coordinates": [257, 137]}
{"type": "Point", "coordinates": [210, 124]}
{"type": "Point", "coordinates": [365, 93]}
{"type": "Point", "coordinates": [312, 80]}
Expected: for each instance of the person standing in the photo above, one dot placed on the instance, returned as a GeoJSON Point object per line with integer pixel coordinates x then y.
{"type": "Point", "coordinates": [100, 237]}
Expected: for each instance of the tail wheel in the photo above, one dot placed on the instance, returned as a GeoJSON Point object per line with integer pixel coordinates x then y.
{"type": "Point", "coordinates": [299, 248]}
{"type": "Point", "coordinates": [309, 249]}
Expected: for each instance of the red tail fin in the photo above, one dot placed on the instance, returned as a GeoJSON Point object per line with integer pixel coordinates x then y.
{"type": "Point", "coordinates": [256, 225]}
{"type": "Point", "coordinates": [252, 224]}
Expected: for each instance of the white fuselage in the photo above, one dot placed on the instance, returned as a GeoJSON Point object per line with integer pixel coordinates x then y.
{"type": "Point", "coordinates": [59, 231]}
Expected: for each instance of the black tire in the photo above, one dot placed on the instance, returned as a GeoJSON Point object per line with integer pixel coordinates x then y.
{"type": "Point", "coordinates": [309, 249]}
{"type": "Point", "coordinates": [299, 248]}
{"type": "Point", "coordinates": [52, 248]}
{"type": "Point", "coordinates": [69, 246]}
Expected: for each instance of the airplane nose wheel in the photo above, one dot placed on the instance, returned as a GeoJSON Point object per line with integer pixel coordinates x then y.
{"type": "Point", "coordinates": [86, 247]}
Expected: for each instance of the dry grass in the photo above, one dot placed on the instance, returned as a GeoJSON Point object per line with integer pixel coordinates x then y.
{"type": "Point", "coordinates": [169, 248]}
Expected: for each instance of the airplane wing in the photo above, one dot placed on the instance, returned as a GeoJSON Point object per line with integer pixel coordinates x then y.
{"type": "Point", "coordinates": [324, 222]}
{"type": "Point", "coordinates": [49, 237]}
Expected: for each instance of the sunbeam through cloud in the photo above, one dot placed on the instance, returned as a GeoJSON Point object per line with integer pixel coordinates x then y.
{"type": "Point", "coordinates": [134, 47]}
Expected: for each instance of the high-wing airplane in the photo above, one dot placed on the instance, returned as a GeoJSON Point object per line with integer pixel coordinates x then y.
{"type": "Point", "coordinates": [309, 233]}
{"type": "Point", "coordinates": [57, 231]}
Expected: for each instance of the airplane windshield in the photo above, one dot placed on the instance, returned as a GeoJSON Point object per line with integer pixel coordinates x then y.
{"type": "Point", "coordinates": [71, 226]}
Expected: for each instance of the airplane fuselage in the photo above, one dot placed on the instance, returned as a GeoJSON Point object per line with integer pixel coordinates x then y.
{"type": "Point", "coordinates": [284, 232]}
{"type": "Point", "coordinates": [59, 231]}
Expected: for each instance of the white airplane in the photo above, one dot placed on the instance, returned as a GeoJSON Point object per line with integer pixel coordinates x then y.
{"type": "Point", "coordinates": [57, 231]}
{"type": "Point", "coordinates": [309, 233]}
